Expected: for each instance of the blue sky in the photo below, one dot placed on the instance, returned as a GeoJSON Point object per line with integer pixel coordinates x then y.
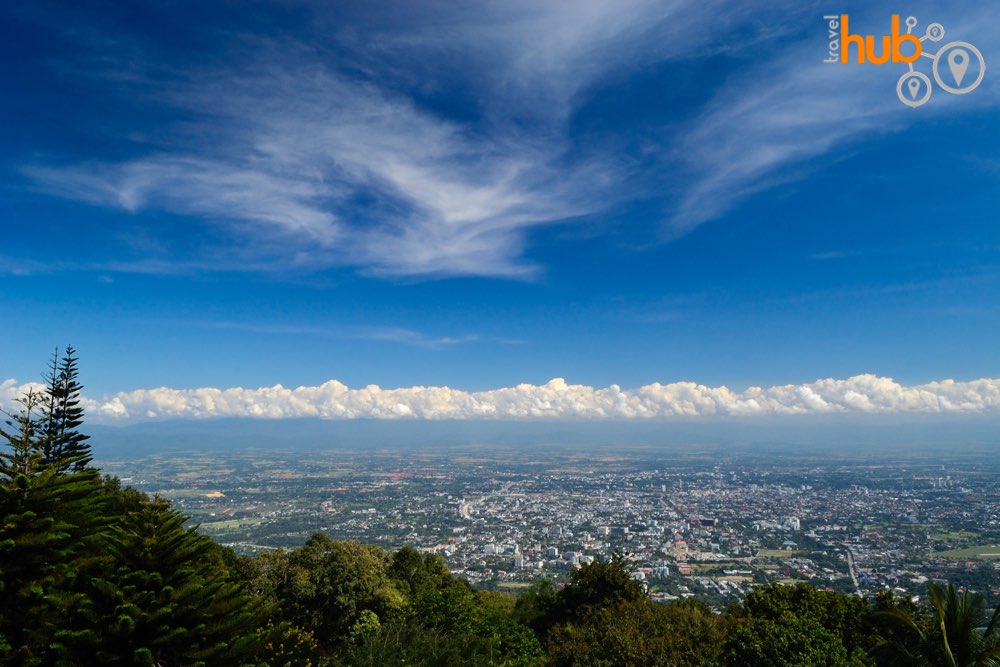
{"type": "Point", "coordinates": [478, 195]}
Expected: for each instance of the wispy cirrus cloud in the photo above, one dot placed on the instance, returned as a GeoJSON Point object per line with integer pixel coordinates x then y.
{"type": "Point", "coordinates": [201, 187]}
{"type": "Point", "coordinates": [304, 161]}
{"type": "Point", "coordinates": [770, 123]}
{"type": "Point", "coordinates": [303, 149]}
{"type": "Point", "coordinates": [387, 334]}
{"type": "Point", "coordinates": [432, 141]}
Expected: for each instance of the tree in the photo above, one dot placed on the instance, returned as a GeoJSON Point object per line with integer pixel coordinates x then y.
{"type": "Point", "coordinates": [641, 633]}
{"type": "Point", "coordinates": [166, 598]}
{"type": "Point", "coordinates": [536, 606]}
{"type": "Point", "coordinates": [591, 587]}
{"type": "Point", "coordinates": [324, 586]}
{"type": "Point", "coordinates": [597, 585]}
{"type": "Point", "coordinates": [799, 625]}
{"type": "Point", "coordinates": [91, 573]}
{"type": "Point", "coordinates": [951, 637]}
{"type": "Point", "coordinates": [62, 415]}
{"type": "Point", "coordinates": [50, 524]}
{"type": "Point", "coordinates": [400, 642]}
{"type": "Point", "coordinates": [415, 573]}
{"type": "Point", "coordinates": [492, 639]}
{"type": "Point", "coordinates": [22, 435]}
{"type": "Point", "coordinates": [892, 622]}
{"type": "Point", "coordinates": [789, 641]}
{"type": "Point", "coordinates": [514, 642]}
{"type": "Point", "coordinates": [436, 599]}
{"type": "Point", "coordinates": [284, 645]}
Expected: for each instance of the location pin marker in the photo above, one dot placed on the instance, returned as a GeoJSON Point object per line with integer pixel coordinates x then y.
{"type": "Point", "coordinates": [958, 63]}
{"type": "Point", "coordinates": [914, 86]}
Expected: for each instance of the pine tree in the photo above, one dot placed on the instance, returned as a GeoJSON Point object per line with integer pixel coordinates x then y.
{"type": "Point", "coordinates": [49, 524]}
{"type": "Point", "coordinates": [166, 598]}
{"type": "Point", "coordinates": [63, 443]}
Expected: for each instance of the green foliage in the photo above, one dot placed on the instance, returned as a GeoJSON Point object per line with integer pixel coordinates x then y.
{"type": "Point", "coordinates": [536, 606]}
{"type": "Point", "coordinates": [284, 645]}
{"type": "Point", "coordinates": [596, 585]}
{"type": "Point", "coordinates": [402, 642]}
{"type": "Point", "coordinates": [415, 574]}
{"type": "Point", "coordinates": [63, 444]}
{"type": "Point", "coordinates": [641, 633]}
{"type": "Point", "coordinates": [442, 622]}
{"type": "Point", "coordinates": [91, 573]}
{"type": "Point", "coordinates": [950, 636]}
{"type": "Point", "coordinates": [324, 586]}
{"type": "Point", "coordinates": [516, 642]}
{"type": "Point", "coordinates": [399, 642]}
{"type": "Point", "coordinates": [50, 528]}
{"type": "Point", "coordinates": [896, 622]}
{"type": "Point", "coordinates": [436, 599]}
{"type": "Point", "coordinates": [799, 625]}
{"type": "Point", "coordinates": [788, 641]}
{"type": "Point", "coordinates": [591, 587]}
{"type": "Point", "coordinates": [575, 619]}
{"type": "Point", "coordinates": [167, 596]}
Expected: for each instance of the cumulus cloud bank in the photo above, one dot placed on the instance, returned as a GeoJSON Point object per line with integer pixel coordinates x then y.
{"type": "Point", "coordinates": [861, 394]}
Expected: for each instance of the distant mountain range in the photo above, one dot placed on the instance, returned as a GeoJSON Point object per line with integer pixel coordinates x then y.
{"type": "Point", "coordinates": [869, 436]}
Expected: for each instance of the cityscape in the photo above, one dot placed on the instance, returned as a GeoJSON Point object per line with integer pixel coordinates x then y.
{"type": "Point", "coordinates": [708, 526]}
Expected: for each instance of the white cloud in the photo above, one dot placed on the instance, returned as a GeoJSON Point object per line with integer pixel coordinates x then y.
{"type": "Point", "coordinates": [284, 145]}
{"type": "Point", "coordinates": [386, 334]}
{"type": "Point", "coordinates": [286, 155]}
{"type": "Point", "coordinates": [861, 394]}
{"type": "Point", "coordinates": [309, 160]}
{"type": "Point", "coordinates": [11, 390]}
{"type": "Point", "coordinates": [200, 187]}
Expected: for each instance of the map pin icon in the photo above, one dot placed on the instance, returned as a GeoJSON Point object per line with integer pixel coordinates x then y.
{"type": "Point", "coordinates": [958, 63]}
{"type": "Point", "coordinates": [914, 86]}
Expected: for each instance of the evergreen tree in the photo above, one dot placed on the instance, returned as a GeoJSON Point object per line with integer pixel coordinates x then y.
{"type": "Point", "coordinates": [50, 522]}
{"type": "Point", "coordinates": [21, 431]}
{"type": "Point", "coordinates": [63, 413]}
{"type": "Point", "coordinates": [167, 599]}
{"type": "Point", "coordinates": [93, 574]}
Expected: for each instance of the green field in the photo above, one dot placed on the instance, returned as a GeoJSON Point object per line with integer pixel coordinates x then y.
{"type": "Point", "coordinates": [952, 536]}
{"type": "Point", "coordinates": [232, 524]}
{"type": "Point", "coordinates": [175, 494]}
{"type": "Point", "coordinates": [774, 553]}
{"type": "Point", "coordinates": [987, 552]}
{"type": "Point", "coordinates": [704, 567]}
